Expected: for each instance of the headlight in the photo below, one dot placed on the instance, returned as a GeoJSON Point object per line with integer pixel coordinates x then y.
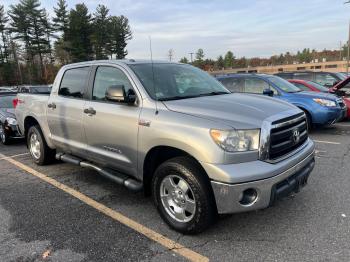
{"type": "Point", "coordinates": [325, 102]}
{"type": "Point", "coordinates": [236, 140]}
{"type": "Point", "coordinates": [11, 121]}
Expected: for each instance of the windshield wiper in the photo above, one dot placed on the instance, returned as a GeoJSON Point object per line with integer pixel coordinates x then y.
{"type": "Point", "coordinates": [214, 93]}
{"type": "Point", "coordinates": [175, 98]}
{"type": "Point", "coordinates": [193, 96]}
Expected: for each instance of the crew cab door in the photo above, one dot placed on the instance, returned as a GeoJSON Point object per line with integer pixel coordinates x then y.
{"type": "Point", "coordinates": [111, 128]}
{"type": "Point", "coordinates": [65, 111]}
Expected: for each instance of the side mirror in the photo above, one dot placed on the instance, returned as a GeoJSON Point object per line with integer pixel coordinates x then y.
{"type": "Point", "coordinates": [117, 93]}
{"type": "Point", "coordinates": [268, 92]}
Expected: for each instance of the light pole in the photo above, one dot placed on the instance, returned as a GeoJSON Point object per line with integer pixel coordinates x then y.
{"type": "Point", "coordinates": [348, 56]}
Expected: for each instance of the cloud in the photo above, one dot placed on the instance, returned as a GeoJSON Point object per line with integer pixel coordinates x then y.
{"type": "Point", "coordinates": [247, 27]}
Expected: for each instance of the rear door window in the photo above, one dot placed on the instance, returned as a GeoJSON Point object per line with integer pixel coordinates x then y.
{"type": "Point", "coordinates": [233, 84]}
{"type": "Point", "coordinates": [74, 81]}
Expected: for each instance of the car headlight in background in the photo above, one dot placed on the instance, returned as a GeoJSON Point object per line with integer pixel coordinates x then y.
{"type": "Point", "coordinates": [236, 140]}
{"type": "Point", "coordinates": [325, 102]}
{"type": "Point", "coordinates": [11, 121]}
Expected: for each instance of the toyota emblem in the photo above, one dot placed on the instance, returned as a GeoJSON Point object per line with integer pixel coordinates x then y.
{"type": "Point", "coordinates": [296, 136]}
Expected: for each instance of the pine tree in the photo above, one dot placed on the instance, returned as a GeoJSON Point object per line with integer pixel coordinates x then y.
{"type": "Point", "coordinates": [79, 35]}
{"type": "Point", "coordinates": [121, 33]}
{"type": "Point", "coordinates": [60, 21]}
{"type": "Point", "coordinates": [220, 63]}
{"type": "Point", "coordinates": [3, 33]}
{"type": "Point", "coordinates": [229, 59]}
{"type": "Point", "coordinates": [184, 60]}
{"type": "Point", "coordinates": [101, 35]}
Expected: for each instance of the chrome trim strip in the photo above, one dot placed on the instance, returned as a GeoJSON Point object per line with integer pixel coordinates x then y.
{"type": "Point", "coordinates": [289, 122]}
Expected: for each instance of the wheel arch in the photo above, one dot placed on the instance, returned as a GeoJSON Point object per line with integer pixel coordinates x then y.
{"type": "Point", "coordinates": [158, 155]}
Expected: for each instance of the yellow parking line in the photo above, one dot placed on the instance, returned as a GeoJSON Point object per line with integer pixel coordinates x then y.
{"type": "Point", "coordinates": [151, 234]}
{"type": "Point", "coordinates": [6, 157]}
{"type": "Point", "coordinates": [326, 142]}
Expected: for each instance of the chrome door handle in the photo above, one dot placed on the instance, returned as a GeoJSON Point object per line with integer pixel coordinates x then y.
{"type": "Point", "coordinates": [51, 105]}
{"type": "Point", "coordinates": [90, 111]}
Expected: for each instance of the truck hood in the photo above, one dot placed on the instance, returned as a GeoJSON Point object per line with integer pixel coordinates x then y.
{"type": "Point", "coordinates": [235, 110]}
{"type": "Point", "coordinates": [8, 112]}
{"type": "Point", "coordinates": [317, 95]}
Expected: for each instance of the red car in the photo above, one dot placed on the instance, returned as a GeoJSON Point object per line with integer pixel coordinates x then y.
{"type": "Point", "coordinates": [306, 85]}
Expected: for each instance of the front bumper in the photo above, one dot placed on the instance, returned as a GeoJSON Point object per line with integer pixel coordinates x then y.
{"type": "Point", "coordinates": [228, 197]}
{"type": "Point", "coordinates": [328, 116]}
{"type": "Point", "coordinates": [13, 131]}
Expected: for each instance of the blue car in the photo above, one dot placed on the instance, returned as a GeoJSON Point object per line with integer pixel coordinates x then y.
{"type": "Point", "coordinates": [320, 109]}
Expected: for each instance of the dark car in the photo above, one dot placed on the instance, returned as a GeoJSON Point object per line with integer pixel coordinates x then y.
{"type": "Point", "coordinates": [35, 89]}
{"type": "Point", "coordinates": [327, 79]}
{"type": "Point", "coordinates": [8, 123]}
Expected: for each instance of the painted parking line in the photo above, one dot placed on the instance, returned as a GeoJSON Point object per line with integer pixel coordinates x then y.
{"type": "Point", "coordinates": [6, 157]}
{"type": "Point", "coordinates": [326, 142]}
{"type": "Point", "coordinates": [345, 125]}
{"type": "Point", "coordinates": [149, 233]}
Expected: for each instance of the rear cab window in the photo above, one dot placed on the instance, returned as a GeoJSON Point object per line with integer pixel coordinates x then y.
{"type": "Point", "coordinates": [74, 82]}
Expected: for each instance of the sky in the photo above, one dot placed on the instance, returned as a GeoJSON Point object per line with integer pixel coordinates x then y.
{"type": "Point", "coordinates": [248, 28]}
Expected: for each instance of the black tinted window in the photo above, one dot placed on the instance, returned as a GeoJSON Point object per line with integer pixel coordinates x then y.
{"type": "Point", "coordinates": [106, 77]}
{"type": "Point", "coordinates": [73, 82]}
{"type": "Point", "coordinates": [303, 76]}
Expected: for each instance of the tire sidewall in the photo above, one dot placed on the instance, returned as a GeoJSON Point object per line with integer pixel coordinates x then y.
{"type": "Point", "coordinates": [173, 168]}
{"type": "Point", "coordinates": [5, 139]}
{"type": "Point", "coordinates": [35, 130]}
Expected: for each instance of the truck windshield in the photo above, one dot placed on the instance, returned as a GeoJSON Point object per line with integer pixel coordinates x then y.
{"type": "Point", "coordinates": [6, 101]}
{"type": "Point", "coordinates": [284, 84]}
{"type": "Point", "coordinates": [164, 81]}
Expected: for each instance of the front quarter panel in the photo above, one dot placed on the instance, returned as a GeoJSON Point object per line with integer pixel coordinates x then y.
{"type": "Point", "coordinates": [185, 132]}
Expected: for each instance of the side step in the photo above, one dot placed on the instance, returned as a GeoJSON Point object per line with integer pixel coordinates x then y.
{"type": "Point", "coordinates": [121, 179]}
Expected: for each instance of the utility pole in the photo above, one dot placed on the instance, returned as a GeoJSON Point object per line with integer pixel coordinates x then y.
{"type": "Point", "coordinates": [191, 57]}
{"type": "Point", "coordinates": [347, 60]}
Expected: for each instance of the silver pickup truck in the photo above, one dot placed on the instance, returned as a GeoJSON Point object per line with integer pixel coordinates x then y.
{"type": "Point", "coordinates": [173, 131]}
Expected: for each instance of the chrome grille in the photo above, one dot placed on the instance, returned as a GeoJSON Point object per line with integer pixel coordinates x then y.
{"type": "Point", "coordinates": [287, 135]}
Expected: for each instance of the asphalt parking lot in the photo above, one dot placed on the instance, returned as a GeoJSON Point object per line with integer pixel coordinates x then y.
{"type": "Point", "coordinates": [65, 213]}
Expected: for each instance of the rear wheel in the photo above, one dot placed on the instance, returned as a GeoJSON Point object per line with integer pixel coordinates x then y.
{"type": "Point", "coordinates": [182, 195]}
{"type": "Point", "coordinates": [5, 140]}
{"type": "Point", "coordinates": [38, 148]}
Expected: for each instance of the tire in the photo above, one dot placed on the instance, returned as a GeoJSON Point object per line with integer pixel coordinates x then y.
{"type": "Point", "coordinates": [4, 138]}
{"type": "Point", "coordinates": [200, 211]}
{"type": "Point", "coordinates": [38, 148]}
{"type": "Point", "coordinates": [308, 120]}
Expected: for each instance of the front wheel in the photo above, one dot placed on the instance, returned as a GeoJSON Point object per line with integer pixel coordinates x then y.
{"type": "Point", "coordinates": [39, 150]}
{"type": "Point", "coordinates": [182, 195]}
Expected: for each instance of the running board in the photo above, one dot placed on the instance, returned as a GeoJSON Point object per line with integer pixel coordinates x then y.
{"type": "Point", "coordinates": [121, 179]}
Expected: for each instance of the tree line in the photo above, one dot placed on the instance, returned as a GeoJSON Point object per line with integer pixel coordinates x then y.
{"type": "Point", "coordinates": [229, 60]}
{"type": "Point", "coordinates": [34, 45]}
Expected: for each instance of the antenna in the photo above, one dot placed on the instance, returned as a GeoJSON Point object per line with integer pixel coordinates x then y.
{"type": "Point", "coordinates": [154, 85]}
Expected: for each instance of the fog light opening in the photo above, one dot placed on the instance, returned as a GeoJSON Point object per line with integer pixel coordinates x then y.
{"type": "Point", "coordinates": [249, 197]}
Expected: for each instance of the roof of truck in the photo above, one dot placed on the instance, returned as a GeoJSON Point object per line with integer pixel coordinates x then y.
{"type": "Point", "coordinates": [122, 61]}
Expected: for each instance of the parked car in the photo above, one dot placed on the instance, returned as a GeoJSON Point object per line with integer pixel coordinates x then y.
{"type": "Point", "coordinates": [320, 109]}
{"type": "Point", "coordinates": [312, 86]}
{"type": "Point", "coordinates": [35, 89]}
{"type": "Point", "coordinates": [306, 85]}
{"type": "Point", "coordinates": [8, 123]}
{"type": "Point", "coordinates": [327, 79]}
{"type": "Point", "coordinates": [342, 89]}
{"type": "Point", "coordinates": [173, 131]}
